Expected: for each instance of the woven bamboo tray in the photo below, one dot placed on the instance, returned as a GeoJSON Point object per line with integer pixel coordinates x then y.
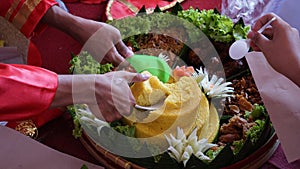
{"type": "Point", "coordinates": [112, 161]}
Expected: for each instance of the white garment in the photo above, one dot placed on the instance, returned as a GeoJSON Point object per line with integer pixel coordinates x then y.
{"type": "Point", "coordinates": [289, 11]}
{"type": "Point", "coordinates": [281, 99]}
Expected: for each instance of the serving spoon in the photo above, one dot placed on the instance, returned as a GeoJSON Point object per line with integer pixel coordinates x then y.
{"type": "Point", "coordinates": [241, 47]}
{"type": "Point", "coordinates": [152, 107]}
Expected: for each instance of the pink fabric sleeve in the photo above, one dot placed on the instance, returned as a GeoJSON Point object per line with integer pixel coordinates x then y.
{"type": "Point", "coordinates": [26, 91]}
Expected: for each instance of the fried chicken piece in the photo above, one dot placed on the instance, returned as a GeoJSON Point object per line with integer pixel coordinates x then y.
{"type": "Point", "coordinates": [235, 129]}
{"type": "Point", "coordinates": [244, 104]}
{"type": "Point", "coordinates": [229, 138]}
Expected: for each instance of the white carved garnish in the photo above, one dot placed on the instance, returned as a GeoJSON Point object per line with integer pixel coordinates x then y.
{"type": "Point", "coordinates": [199, 74]}
{"type": "Point", "coordinates": [164, 57]}
{"type": "Point", "coordinates": [87, 117]}
{"type": "Point", "coordinates": [213, 87]}
{"type": "Point", "coordinates": [181, 148]}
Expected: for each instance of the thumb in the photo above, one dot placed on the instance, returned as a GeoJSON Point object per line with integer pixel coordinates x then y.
{"type": "Point", "coordinates": [140, 77]}
{"type": "Point", "coordinates": [132, 77]}
{"type": "Point", "coordinates": [259, 40]}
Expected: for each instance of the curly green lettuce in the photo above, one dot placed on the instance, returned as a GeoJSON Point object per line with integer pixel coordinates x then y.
{"type": "Point", "coordinates": [212, 154]}
{"type": "Point", "coordinates": [238, 145]}
{"type": "Point", "coordinates": [84, 63]}
{"type": "Point", "coordinates": [77, 131]}
{"type": "Point", "coordinates": [123, 129]}
{"type": "Point", "coordinates": [258, 114]}
{"type": "Point", "coordinates": [216, 26]}
{"type": "Point", "coordinates": [130, 26]}
{"type": "Point", "coordinates": [254, 132]}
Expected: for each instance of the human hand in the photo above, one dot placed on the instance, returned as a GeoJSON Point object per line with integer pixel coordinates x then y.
{"type": "Point", "coordinates": [280, 44]}
{"type": "Point", "coordinates": [107, 95]}
{"type": "Point", "coordinates": [106, 45]}
{"type": "Point", "coordinates": [101, 40]}
{"type": "Point", "coordinates": [114, 96]}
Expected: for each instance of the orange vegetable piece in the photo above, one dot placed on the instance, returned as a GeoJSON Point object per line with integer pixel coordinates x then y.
{"type": "Point", "coordinates": [183, 71]}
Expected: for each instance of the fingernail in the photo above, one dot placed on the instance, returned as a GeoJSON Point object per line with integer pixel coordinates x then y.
{"type": "Point", "coordinates": [129, 54]}
{"type": "Point", "coordinates": [145, 76]}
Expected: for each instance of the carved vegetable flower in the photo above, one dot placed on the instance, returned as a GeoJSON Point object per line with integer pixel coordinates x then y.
{"type": "Point", "coordinates": [181, 148]}
{"type": "Point", "coordinates": [164, 57]}
{"type": "Point", "coordinates": [213, 87]}
{"type": "Point", "coordinates": [199, 75]}
{"type": "Point", "coordinates": [86, 117]}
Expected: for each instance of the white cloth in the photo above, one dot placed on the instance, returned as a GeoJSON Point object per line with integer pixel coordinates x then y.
{"type": "Point", "coordinates": [281, 98]}
{"type": "Point", "coordinates": [21, 152]}
{"type": "Point", "coordinates": [289, 11]}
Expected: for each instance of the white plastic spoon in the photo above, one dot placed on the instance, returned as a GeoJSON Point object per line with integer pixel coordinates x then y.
{"type": "Point", "coordinates": [241, 47]}
{"type": "Point", "coordinates": [152, 107]}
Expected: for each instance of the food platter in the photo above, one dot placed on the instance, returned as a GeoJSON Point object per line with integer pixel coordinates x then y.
{"type": "Point", "coordinates": [111, 161]}
{"type": "Point", "coordinates": [245, 137]}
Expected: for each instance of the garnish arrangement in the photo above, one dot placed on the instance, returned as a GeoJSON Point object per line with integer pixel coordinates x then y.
{"type": "Point", "coordinates": [218, 136]}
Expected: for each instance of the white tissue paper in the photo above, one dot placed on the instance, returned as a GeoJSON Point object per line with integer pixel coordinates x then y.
{"type": "Point", "coordinates": [282, 101]}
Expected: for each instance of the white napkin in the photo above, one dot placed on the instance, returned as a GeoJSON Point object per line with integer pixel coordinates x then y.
{"type": "Point", "coordinates": [282, 101]}
{"type": "Point", "coordinates": [21, 152]}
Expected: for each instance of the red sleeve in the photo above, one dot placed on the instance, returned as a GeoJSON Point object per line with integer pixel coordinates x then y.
{"type": "Point", "coordinates": [26, 91]}
{"type": "Point", "coordinates": [25, 15]}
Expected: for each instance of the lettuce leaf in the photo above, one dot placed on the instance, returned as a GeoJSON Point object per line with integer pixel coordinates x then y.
{"type": "Point", "coordinates": [254, 132]}
{"type": "Point", "coordinates": [84, 63]}
{"type": "Point", "coordinates": [217, 27]}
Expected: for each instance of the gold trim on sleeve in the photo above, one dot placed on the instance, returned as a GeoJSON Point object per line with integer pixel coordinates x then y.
{"type": "Point", "coordinates": [12, 8]}
{"type": "Point", "coordinates": [24, 13]}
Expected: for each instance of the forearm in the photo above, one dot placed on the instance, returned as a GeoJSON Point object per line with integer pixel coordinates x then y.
{"type": "Point", "coordinates": [74, 89]}
{"type": "Point", "coordinates": [77, 27]}
{"type": "Point", "coordinates": [294, 73]}
{"type": "Point", "coordinates": [63, 95]}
